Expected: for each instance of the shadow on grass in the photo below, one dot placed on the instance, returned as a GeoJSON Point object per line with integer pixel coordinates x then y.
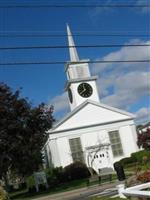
{"type": "Point", "coordinates": [24, 194]}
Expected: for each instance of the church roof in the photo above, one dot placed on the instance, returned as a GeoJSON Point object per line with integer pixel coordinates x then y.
{"type": "Point", "coordinates": [95, 114]}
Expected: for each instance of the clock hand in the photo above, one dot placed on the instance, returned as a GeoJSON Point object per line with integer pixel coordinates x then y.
{"type": "Point", "coordinates": [84, 86]}
{"type": "Point", "coordinates": [82, 91]}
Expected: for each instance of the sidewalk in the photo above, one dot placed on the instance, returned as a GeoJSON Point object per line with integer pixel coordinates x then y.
{"type": "Point", "coordinates": [78, 194]}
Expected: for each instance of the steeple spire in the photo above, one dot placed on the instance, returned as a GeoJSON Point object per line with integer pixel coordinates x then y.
{"type": "Point", "coordinates": [73, 52]}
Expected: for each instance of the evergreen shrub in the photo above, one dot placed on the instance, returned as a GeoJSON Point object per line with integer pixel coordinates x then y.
{"type": "Point", "coordinates": [140, 155]}
{"type": "Point", "coordinates": [76, 170]}
{"type": "Point", "coordinates": [136, 158]}
{"type": "Point", "coordinates": [59, 175]}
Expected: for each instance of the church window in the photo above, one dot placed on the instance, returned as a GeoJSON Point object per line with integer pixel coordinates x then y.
{"type": "Point", "coordinates": [76, 149]}
{"type": "Point", "coordinates": [115, 143]}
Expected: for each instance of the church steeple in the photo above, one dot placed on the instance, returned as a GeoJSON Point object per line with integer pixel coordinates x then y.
{"type": "Point", "coordinates": [72, 49]}
{"type": "Point", "coordinates": [81, 86]}
{"type": "Point", "coordinates": [76, 68]}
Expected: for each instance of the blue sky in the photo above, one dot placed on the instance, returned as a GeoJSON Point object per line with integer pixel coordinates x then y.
{"type": "Point", "coordinates": [125, 86]}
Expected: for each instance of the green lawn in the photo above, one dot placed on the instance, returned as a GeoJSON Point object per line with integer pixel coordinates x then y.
{"type": "Point", "coordinates": [134, 167]}
{"type": "Point", "coordinates": [106, 198]}
{"type": "Point", "coordinates": [24, 195]}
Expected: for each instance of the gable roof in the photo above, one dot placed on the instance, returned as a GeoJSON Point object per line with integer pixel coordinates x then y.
{"type": "Point", "coordinates": [101, 113]}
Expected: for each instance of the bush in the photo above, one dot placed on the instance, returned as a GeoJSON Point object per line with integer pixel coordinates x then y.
{"type": "Point", "coordinates": [76, 170]}
{"type": "Point", "coordinates": [139, 156]}
{"type": "Point", "coordinates": [3, 194]}
{"type": "Point", "coordinates": [31, 184]}
{"type": "Point", "coordinates": [144, 177]}
{"type": "Point", "coordinates": [128, 160]}
{"type": "Point", "coordinates": [59, 175]}
{"type": "Point", "coordinates": [55, 176]}
{"type": "Point", "coordinates": [125, 161]}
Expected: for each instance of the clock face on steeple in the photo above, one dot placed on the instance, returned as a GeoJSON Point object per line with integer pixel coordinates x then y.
{"type": "Point", "coordinates": [85, 90]}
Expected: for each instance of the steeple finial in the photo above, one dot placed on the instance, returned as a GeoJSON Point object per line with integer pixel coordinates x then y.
{"type": "Point", "coordinates": [73, 52]}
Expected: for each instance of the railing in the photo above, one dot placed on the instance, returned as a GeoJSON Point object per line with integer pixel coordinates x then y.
{"type": "Point", "coordinates": [142, 191]}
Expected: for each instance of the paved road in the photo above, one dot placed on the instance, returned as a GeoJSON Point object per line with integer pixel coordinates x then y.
{"type": "Point", "coordinates": [80, 194]}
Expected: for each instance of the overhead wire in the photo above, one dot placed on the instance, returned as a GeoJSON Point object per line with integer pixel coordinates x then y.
{"type": "Point", "coordinates": [75, 6]}
{"type": "Point", "coordinates": [64, 35]}
{"type": "Point", "coordinates": [78, 35]}
{"type": "Point", "coordinates": [64, 62]}
{"type": "Point", "coordinates": [78, 46]}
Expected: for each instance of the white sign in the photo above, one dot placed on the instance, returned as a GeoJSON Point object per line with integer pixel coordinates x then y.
{"type": "Point", "coordinates": [40, 178]}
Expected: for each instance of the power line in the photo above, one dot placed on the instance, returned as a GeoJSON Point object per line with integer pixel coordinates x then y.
{"type": "Point", "coordinates": [78, 35]}
{"type": "Point", "coordinates": [76, 6]}
{"type": "Point", "coordinates": [78, 46]}
{"type": "Point", "coordinates": [63, 62]}
{"type": "Point", "coordinates": [72, 1]}
{"type": "Point", "coordinates": [77, 32]}
{"type": "Point", "coordinates": [95, 1]}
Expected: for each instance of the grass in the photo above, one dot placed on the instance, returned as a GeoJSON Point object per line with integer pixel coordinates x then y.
{"type": "Point", "coordinates": [135, 167]}
{"type": "Point", "coordinates": [106, 198]}
{"type": "Point", "coordinates": [24, 195]}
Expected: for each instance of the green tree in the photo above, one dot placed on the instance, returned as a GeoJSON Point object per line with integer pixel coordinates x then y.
{"type": "Point", "coordinates": [22, 132]}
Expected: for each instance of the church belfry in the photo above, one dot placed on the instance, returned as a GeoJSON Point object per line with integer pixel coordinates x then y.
{"type": "Point", "coordinates": [80, 85]}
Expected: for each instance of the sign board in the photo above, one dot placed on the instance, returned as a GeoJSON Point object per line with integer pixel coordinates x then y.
{"type": "Point", "coordinates": [40, 178]}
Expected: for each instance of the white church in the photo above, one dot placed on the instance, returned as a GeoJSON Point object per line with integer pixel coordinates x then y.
{"type": "Point", "coordinates": [93, 133]}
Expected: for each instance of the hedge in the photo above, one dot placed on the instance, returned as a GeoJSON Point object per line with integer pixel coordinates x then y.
{"type": "Point", "coordinates": [137, 158]}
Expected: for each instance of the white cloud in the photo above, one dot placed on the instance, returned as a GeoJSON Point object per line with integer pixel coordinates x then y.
{"type": "Point", "coordinates": [60, 102]}
{"type": "Point", "coordinates": [128, 89]}
{"type": "Point", "coordinates": [94, 13]}
{"type": "Point", "coordinates": [125, 53]}
{"type": "Point", "coordinates": [129, 81]}
{"type": "Point", "coordinates": [120, 85]}
{"type": "Point", "coordinates": [98, 10]}
{"type": "Point", "coordinates": [143, 114]}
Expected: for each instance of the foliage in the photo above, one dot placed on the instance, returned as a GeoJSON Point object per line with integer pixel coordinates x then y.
{"type": "Point", "coordinates": [55, 176]}
{"type": "Point", "coordinates": [3, 194]}
{"type": "Point", "coordinates": [126, 161]}
{"type": "Point", "coordinates": [22, 132]}
{"type": "Point", "coordinates": [144, 177]}
{"type": "Point", "coordinates": [76, 170]}
{"type": "Point", "coordinates": [59, 175]}
{"type": "Point", "coordinates": [144, 139]}
{"type": "Point", "coordinates": [30, 183]}
{"type": "Point", "coordinates": [140, 157]}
